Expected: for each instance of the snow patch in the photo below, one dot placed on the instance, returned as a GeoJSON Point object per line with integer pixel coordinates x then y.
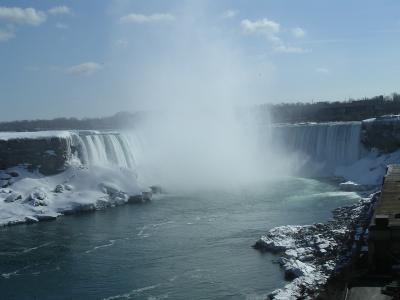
{"type": "Point", "coordinates": [310, 254]}
{"type": "Point", "coordinates": [5, 136]}
{"type": "Point", "coordinates": [370, 169]}
{"type": "Point", "coordinates": [33, 197]}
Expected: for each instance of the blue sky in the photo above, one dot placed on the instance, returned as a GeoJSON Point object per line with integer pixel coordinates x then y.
{"type": "Point", "coordinates": [94, 58]}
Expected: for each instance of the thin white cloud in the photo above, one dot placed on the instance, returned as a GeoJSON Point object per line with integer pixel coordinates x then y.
{"type": "Point", "coordinates": [229, 14]}
{"type": "Point", "coordinates": [86, 68]}
{"type": "Point", "coordinates": [272, 31]}
{"type": "Point", "coordinates": [264, 26]}
{"type": "Point", "coordinates": [6, 34]}
{"type": "Point", "coordinates": [22, 16]}
{"type": "Point", "coordinates": [298, 32]}
{"type": "Point", "coordinates": [153, 18]}
{"type": "Point", "coordinates": [61, 25]}
{"type": "Point", "coordinates": [290, 49]}
{"type": "Point", "coordinates": [322, 70]}
{"type": "Point", "coordinates": [59, 10]}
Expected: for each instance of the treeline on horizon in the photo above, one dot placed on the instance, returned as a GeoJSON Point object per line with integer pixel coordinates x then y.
{"type": "Point", "coordinates": [351, 110]}
{"type": "Point", "coordinates": [117, 121]}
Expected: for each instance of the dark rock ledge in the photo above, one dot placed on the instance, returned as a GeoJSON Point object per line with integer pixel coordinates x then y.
{"type": "Point", "coordinates": [311, 254]}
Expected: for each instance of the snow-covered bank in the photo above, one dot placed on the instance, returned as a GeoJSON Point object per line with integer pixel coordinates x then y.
{"type": "Point", "coordinates": [27, 197]}
{"type": "Point", "coordinates": [6, 136]}
{"type": "Point", "coordinates": [85, 171]}
{"type": "Point", "coordinates": [370, 169]}
{"type": "Point", "coordinates": [311, 254]}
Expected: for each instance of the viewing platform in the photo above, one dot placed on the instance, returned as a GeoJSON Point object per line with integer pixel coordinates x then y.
{"type": "Point", "coordinates": [384, 229]}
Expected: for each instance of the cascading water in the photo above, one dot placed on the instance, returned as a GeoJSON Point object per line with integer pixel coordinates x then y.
{"type": "Point", "coordinates": [327, 144]}
{"type": "Point", "coordinates": [333, 144]}
{"type": "Point", "coordinates": [105, 149]}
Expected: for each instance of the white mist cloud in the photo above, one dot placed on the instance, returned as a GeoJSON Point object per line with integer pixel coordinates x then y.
{"type": "Point", "coordinates": [298, 32]}
{"type": "Point", "coordinates": [59, 10]}
{"type": "Point", "coordinates": [197, 140]}
{"type": "Point", "coordinates": [22, 16]}
{"type": "Point", "coordinates": [86, 68]}
{"type": "Point", "coordinates": [153, 18]}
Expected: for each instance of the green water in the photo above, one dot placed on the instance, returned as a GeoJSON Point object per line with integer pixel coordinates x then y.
{"type": "Point", "coordinates": [183, 246]}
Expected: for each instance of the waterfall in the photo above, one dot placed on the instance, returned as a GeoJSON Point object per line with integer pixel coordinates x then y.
{"type": "Point", "coordinates": [330, 144]}
{"type": "Point", "coordinates": [334, 144]}
{"type": "Point", "coordinates": [104, 149]}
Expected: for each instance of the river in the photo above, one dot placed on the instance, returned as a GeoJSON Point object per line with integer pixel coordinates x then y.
{"type": "Point", "coordinates": [178, 246]}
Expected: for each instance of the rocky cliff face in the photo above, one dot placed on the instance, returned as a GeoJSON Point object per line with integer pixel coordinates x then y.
{"type": "Point", "coordinates": [48, 155]}
{"type": "Point", "coordinates": [382, 133]}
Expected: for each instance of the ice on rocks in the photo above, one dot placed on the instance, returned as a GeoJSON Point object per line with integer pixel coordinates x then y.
{"type": "Point", "coordinates": [68, 187]}
{"type": "Point", "coordinates": [370, 169]}
{"type": "Point", "coordinates": [34, 197]}
{"type": "Point", "coordinates": [295, 268]}
{"type": "Point", "coordinates": [279, 238]}
{"type": "Point", "coordinates": [31, 219]}
{"type": "Point", "coordinates": [59, 188]}
{"type": "Point", "coordinates": [311, 254]}
{"type": "Point", "coordinates": [291, 252]}
{"type": "Point", "coordinates": [12, 197]}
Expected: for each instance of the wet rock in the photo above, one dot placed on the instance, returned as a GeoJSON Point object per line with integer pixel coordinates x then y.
{"type": "Point", "coordinates": [68, 187]}
{"type": "Point", "coordinates": [59, 188]}
{"type": "Point", "coordinates": [102, 204]}
{"type": "Point", "coordinates": [147, 195]}
{"type": "Point", "coordinates": [84, 207]}
{"type": "Point", "coordinates": [382, 133]}
{"type": "Point", "coordinates": [4, 183]}
{"type": "Point", "coordinates": [13, 173]}
{"type": "Point", "coordinates": [278, 239]}
{"type": "Point", "coordinates": [12, 197]}
{"type": "Point", "coordinates": [116, 197]}
{"type": "Point", "coordinates": [108, 188]}
{"type": "Point", "coordinates": [136, 199]}
{"type": "Point", "coordinates": [119, 199]}
{"type": "Point", "coordinates": [141, 198]}
{"type": "Point", "coordinates": [38, 198]}
{"type": "Point", "coordinates": [156, 189]}
{"type": "Point", "coordinates": [31, 219]}
{"type": "Point", "coordinates": [294, 268]}
{"type": "Point", "coordinates": [311, 254]}
{"type": "Point", "coordinates": [5, 176]}
{"type": "Point", "coordinates": [34, 152]}
{"type": "Point", "coordinates": [46, 217]}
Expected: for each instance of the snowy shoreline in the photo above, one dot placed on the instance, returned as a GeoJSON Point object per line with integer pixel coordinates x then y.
{"type": "Point", "coordinates": [30, 197]}
{"type": "Point", "coordinates": [311, 254]}
{"type": "Point", "coordinates": [46, 174]}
